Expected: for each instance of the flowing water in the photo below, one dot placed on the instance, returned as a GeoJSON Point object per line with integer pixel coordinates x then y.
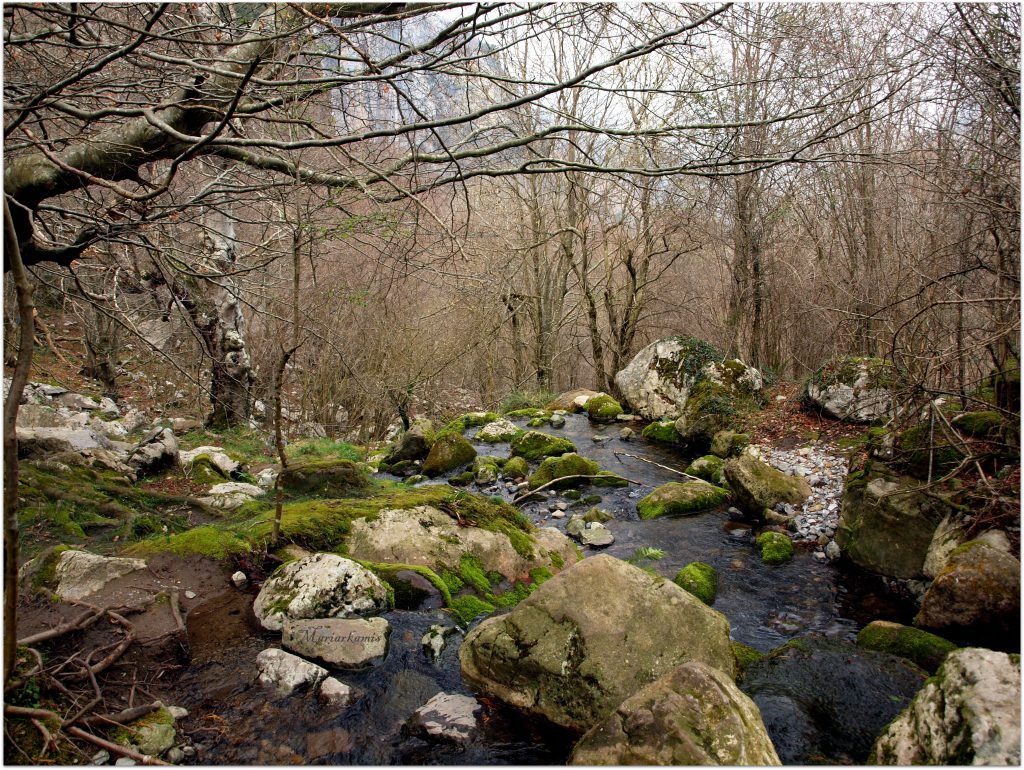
{"type": "Point", "coordinates": [235, 720]}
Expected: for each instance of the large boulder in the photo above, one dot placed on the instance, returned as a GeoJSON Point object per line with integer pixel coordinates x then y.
{"type": "Point", "coordinates": [603, 408]}
{"type": "Point", "coordinates": [852, 389]}
{"type": "Point", "coordinates": [563, 467]}
{"type": "Point", "coordinates": [887, 522]}
{"type": "Point", "coordinates": [325, 478]}
{"type": "Point", "coordinates": [428, 537]}
{"type": "Point", "coordinates": [414, 444]}
{"type": "Point", "coordinates": [572, 400]}
{"type": "Point", "coordinates": [717, 401]}
{"type": "Point", "coordinates": [157, 451]}
{"type": "Point", "coordinates": [79, 574]}
{"type": "Point", "coordinates": [208, 457]}
{"type": "Point", "coordinates": [678, 498]}
{"type": "Point", "coordinates": [968, 714]}
{"type": "Point", "coordinates": [756, 485]}
{"type": "Point", "coordinates": [921, 648]}
{"type": "Point", "coordinates": [693, 715]}
{"type": "Point", "coordinates": [975, 599]}
{"type": "Point", "coordinates": [590, 637]}
{"type": "Point", "coordinates": [824, 700]}
{"type": "Point", "coordinates": [340, 642]}
{"type": "Point", "coordinates": [323, 585]}
{"type": "Point", "coordinates": [450, 451]}
{"type": "Point", "coordinates": [39, 443]}
{"type": "Point", "coordinates": [534, 445]}
{"type": "Point", "coordinates": [657, 382]}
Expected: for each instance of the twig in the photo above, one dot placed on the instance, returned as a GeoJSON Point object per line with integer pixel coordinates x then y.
{"type": "Point", "coordinates": [663, 467]}
{"type": "Point", "coordinates": [29, 713]}
{"type": "Point", "coordinates": [542, 487]}
{"type": "Point", "coordinates": [47, 738]}
{"type": "Point", "coordinates": [114, 748]}
{"type": "Point", "coordinates": [120, 718]}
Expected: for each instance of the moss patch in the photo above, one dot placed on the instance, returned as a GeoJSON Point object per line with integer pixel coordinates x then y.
{"type": "Point", "coordinates": [775, 547]}
{"type": "Point", "coordinates": [699, 579]}
{"type": "Point", "coordinates": [328, 478]}
{"type": "Point", "coordinates": [916, 447]}
{"type": "Point", "coordinates": [677, 498]}
{"type": "Point", "coordinates": [603, 408]}
{"type": "Point", "coordinates": [663, 432]}
{"type": "Point", "coordinates": [569, 464]}
{"type": "Point", "coordinates": [516, 467]}
{"type": "Point", "coordinates": [450, 451]}
{"type": "Point", "coordinates": [745, 656]}
{"type": "Point", "coordinates": [708, 468]}
{"type": "Point", "coordinates": [926, 650]}
{"type": "Point", "coordinates": [534, 446]}
{"type": "Point", "coordinates": [466, 608]}
{"type": "Point", "coordinates": [985, 424]}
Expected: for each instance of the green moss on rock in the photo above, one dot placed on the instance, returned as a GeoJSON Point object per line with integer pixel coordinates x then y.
{"type": "Point", "coordinates": [677, 498]}
{"type": "Point", "coordinates": [984, 424]}
{"type": "Point", "coordinates": [926, 650]}
{"type": "Point", "coordinates": [609, 479]}
{"type": "Point", "coordinates": [699, 579]}
{"type": "Point", "coordinates": [727, 443]}
{"type": "Point", "coordinates": [328, 478]}
{"type": "Point", "coordinates": [775, 547]}
{"type": "Point", "coordinates": [569, 464]}
{"type": "Point", "coordinates": [534, 446]}
{"type": "Point", "coordinates": [603, 408]}
{"type": "Point", "coordinates": [450, 451]}
{"type": "Point", "coordinates": [663, 432]}
{"type": "Point", "coordinates": [516, 467]}
{"type": "Point", "coordinates": [917, 447]}
{"type": "Point", "coordinates": [744, 655]}
{"type": "Point", "coordinates": [707, 467]}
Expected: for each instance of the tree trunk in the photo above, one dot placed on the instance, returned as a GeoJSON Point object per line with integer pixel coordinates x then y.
{"type": "Point", "coordinates": [26, 313]}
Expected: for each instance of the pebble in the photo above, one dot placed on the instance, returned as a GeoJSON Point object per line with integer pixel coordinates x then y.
{"type": "Point", "coordinates": [124, 762]}
{"type": "Point", "coordinates": [175, 755]}
{"type": "Point", "coordinates": [177, 712]}
{"type": "Point", "coordinates": [188, 751]}
{"type": "Point", "coordinates": [560, 506]}
{"type": "Point", "coordinates": [101, 757]}
{"type": "Point", "coordinates": [558, 515]}
{"type": "Point", "coordinates": [239, 579]}
{"type": "Point", "coordinates": [191, 594]}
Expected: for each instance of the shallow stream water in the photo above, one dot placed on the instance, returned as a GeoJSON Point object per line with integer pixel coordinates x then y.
{"type": "Point", "coordinates": [235, 720]}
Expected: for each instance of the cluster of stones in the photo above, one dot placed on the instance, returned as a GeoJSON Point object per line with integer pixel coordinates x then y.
{"type": "Point", "coordinates": [815, 521]}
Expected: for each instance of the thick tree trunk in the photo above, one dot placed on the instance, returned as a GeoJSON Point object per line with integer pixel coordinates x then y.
{"type": "Point", "coordinates": [26, 313]}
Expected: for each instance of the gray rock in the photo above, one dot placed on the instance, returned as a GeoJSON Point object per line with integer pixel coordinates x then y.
{"type": "Point", "coordinates": [323, 585]}
{"type": "Point", "coordinates": [158, 450]}
{"type": "Point", "coordinates": [220, 460]}
{"type": "Point", "coordinates": [78, 402]}
{"type": "Point", "coordinates": [857, 399]}
{"type": "Point", "coordinates": [177, 712]}
{"type": "Point", "coordinates": [101, 757]}
{"type": "Point", "coordinates": [80, 573]}
{"type": "Point", "coordinates": [124, 762]}
{"type": "Point", "coordinates": [451, 717]}
{"type": "Point", "coordinates": [693, 715]}
{"type": "Point", "coordinates": [231, 495]}
{"type": "Point", "coordinates": [557, 421]}
{"type": "Point", "coordinates": [969, 713]}
{"type": "Point", "coordinates": [239, 578]}
{"type": "Point", "coordinates": [626, 434]}
{"type": "Point", "coordinates": [37, 443]}
{"type": "Point", "coordinates": [175, 755]}
{"type": "Point", "coordinates": [596, 535]}
{"type": "Point", "coordinates": [341, 642]}
{"type": "Point", "coordinates": [435, 639]}
{"type": "Point", "coordinates": [336, 693]}
{"type": "Point", "coordinates": [588, 638]}
{"type": "Point", "coordinates": [288, 672]}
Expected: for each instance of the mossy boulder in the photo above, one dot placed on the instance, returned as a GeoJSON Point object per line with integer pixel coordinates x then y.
{"type": "Point", "coordinates": [603, 408]}
{"type": "Point", "coordinates": [327, 478]}
{"type": "Point", "coordinates": [609, 479]}
{"type": "Point", "coordinates": [471, 420]}
{"type": "Point", "coordinates": [699, 579]}
{"type": "Point", "coordinates": [968, 714]}
{"type": "Point", "coordinates": [516, 467]}
{"type": "Point", "coordinates": [414, 444]}
{"type": "Point", "coordinates": [486, 468]}
{"type": "Point", "coordinates": [693, 715]}
{"type": "Point", "coordinates": [852, 389]}
{"type": "Point", "coordinates": [678, 498]}
{"type": "Point", "coordinates": [498, 431]}
{"type": "Point", "coordinates": [708, 468]}
{"type": "Point", "coordinates": [662, 431]}
{"type": "Point", "coordinates": [975, 599]}
{"type": "Point", "coordinates": [926, 650]}
{"type": "Point", "coordinates": [987, 424]}
{"type": "Point", "coordinates": [775, 547]}
{"type": "Point", "coordinates": [572, 401]}
{"type": "Point", "coordinates": [727, 443]}
{"type": "Point", "coordinates": [569, 464]}
{"type": "Point", "coordinates": [756, 485]}
{"type": "Point", "coordinates": [745, 656]}
{"type": "Point", "coordinates": [450, 451]}
{"type": "Point", "coordinates": [919, 448]}
{"type": "Point", "coordinates": [887, 522]}
{"type": "Point", "coordinates": [657, 382]}
{"type": "Point", "coordinates": [590, 637]}
{"type": "Point", "coordinates": [534, 446]}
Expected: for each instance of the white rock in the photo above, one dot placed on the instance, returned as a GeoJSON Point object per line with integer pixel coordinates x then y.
{"type": "Point", "coordinates": [435, 639]}
{"type": "Point", "coordinates": [177, 712]}
{"type": "Point", "coordinates": [452, 717]}
{"type": "Point", "coordinates": [341, 642]}
{"type": "Point", "coordinates": [191, 594]}
{"type": "Point", "coordinates": [323, 585]}
{"type": "Point", "coordinates": [287, 672]}
{"type": "Point", "coordinates": [969, 711]}
{"type": "Point", "coordinates": [80, 573]}
{"type": "Point", "coordinates": [336, 693]}
{"type": "Point", "coordinates": [231, 495]}
{"type": "Point", "coordinates": [217, 456]}
{"type": "Point", "coordinates": [239, 579]}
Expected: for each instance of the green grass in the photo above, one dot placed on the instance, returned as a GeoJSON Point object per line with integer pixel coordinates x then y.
{"type": "Point", "coordinates": [244, 444]}
{"type": "Point", "coordinates": [526, 399]}
{"type": "Point", "coordinates": [325, 448]}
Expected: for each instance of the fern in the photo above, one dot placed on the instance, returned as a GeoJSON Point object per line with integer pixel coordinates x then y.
{"type": "Point", "coordinates": [646, 553]}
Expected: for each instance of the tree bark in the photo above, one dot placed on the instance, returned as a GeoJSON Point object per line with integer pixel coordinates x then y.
{"type": "Point", "coordinates": [26, 313]}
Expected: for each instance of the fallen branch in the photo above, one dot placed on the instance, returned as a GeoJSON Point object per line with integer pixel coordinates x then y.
{"type": "Point", "coordinates": [114, 748]}
{"type": "Point", "coordinates": [651, 462]}
{"type": "Point", "coordinates": [122, 717]}
{"type": "Point", "coordinates": [83, 621]}
{"type": "Point", "coordinates": [29, 713]}
{"type": "Point", "coordinates": [542, 487]}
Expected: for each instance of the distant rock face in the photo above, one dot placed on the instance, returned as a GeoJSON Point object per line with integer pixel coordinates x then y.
{"type": "Point", "coordinates": [80, 573]}
{"type": "Point", "coordinates": [341, 642]}
{"type": "Point", "coordinates": [851, 389]}
{"type": "Point", "coordinates": [825, 699]}
{"type": "Point", "coordinates": [975, 599]}
{"type": "Point", "coordinates": [323, 585]}
{"type": "Point", "coordinates": [288, 672]}
{"type": "Point", "coordinates": [428, 537]}
{"type": "Point", "coordinates": [693, 715]}
{"type": "Point", "coordinates": [968, 714]}
{"type": "Point", "coordinates": [657, 382]}
{"type": "Point", "coordinates": [562, 652]}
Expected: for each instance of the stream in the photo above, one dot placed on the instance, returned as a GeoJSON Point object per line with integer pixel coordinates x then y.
{"type": "Point", "coordinates": [234, 720]}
